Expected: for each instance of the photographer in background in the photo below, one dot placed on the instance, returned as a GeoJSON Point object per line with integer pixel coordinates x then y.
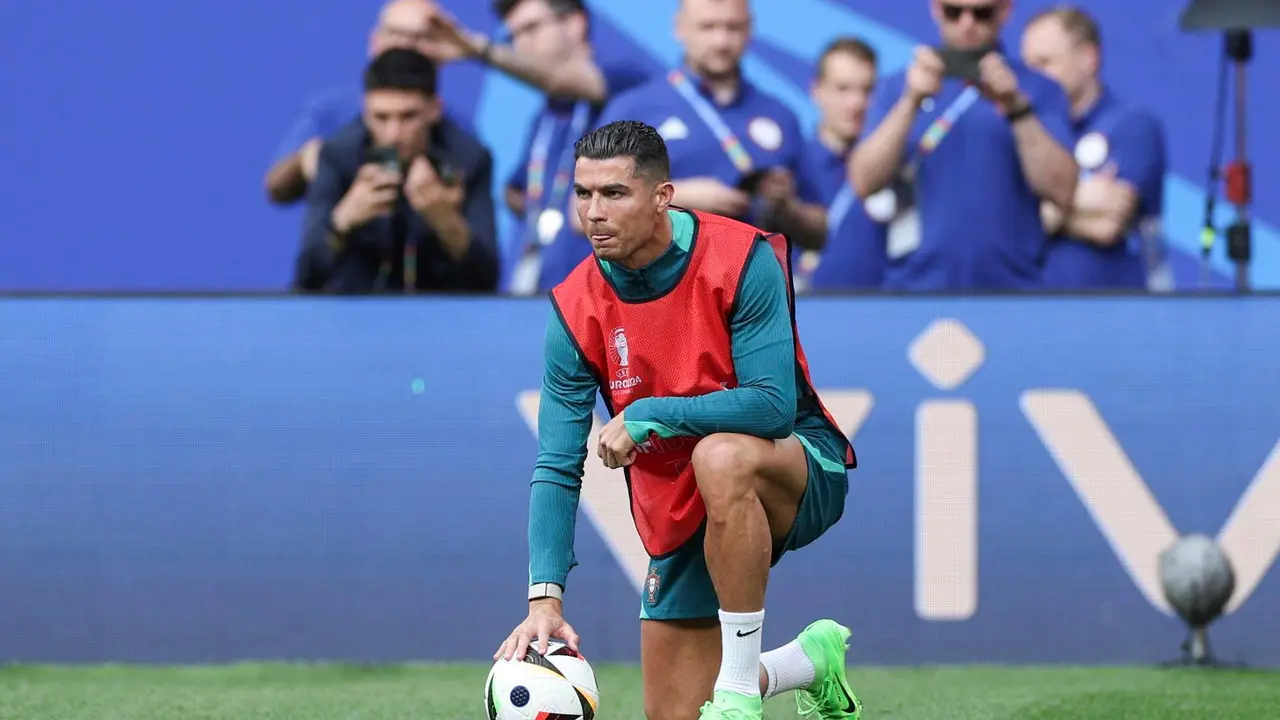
{"type": "Point", "coordinates": [401, 24]}
{"type": "Point", "coordinates": [970, 141]}
{"type": "Point", "coordinates": [401, 198]}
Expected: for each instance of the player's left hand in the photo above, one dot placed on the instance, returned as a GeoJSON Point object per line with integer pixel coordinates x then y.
{"type": "Point", "coordinates": [999, 83]}
{"type": "Point", "coordinates": [616, 448]}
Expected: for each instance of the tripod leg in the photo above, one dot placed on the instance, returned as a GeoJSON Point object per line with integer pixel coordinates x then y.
{"type": "Point", "coordinates": [1199, 646]}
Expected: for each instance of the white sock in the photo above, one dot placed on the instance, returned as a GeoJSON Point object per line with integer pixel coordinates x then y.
{"type": "Point", "coordinates": [788, 668]}
{"type": "Point", "coordinates": [740, 652]}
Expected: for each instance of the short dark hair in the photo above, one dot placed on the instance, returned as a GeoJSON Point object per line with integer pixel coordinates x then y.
{"type": "Point", "coordinates": [1078, 24]}
{"type": "Point", "coordinates": [628, 138]}
{"type": "Point", "coordinates": [856, 47]}
{"type": "Point", "coordinates": [401, 69]}
{"type": "Point", "coordinates": [560, 7]}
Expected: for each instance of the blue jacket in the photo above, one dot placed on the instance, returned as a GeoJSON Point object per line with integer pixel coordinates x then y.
{"type": "Point", "coordinates": [356, 267]}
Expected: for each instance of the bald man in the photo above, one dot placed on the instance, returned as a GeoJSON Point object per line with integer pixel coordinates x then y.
{"type": "Point", "coordinates": [552, 50]}
{"type": "Point", "coordinates": [735, 150]}
{"type": "Point", "coordinates": [401, 24]}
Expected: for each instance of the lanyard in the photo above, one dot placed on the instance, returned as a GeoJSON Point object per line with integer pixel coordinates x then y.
{"type": "Point", "coordinates": [409, 272]}
{"type": "Point", "coordinates": [729, 142]}
{"type": "Point", "coordinates": [410, 265]}
{"type": "Point", "coordinates": [811, 259]}
{"type": "Point", "coordinates": [539, 153]}
{"type": "Point", "coordinates": [840, 208]}
{"type": "Point", "coordinates": [941, 127]}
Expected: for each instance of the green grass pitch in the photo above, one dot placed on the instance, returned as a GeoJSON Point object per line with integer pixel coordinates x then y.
{"type": "Point", "coordinates": [453, 692]}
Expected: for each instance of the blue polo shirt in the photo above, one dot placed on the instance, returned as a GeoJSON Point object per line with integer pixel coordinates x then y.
{"type": "Point", "coordinates": [1115, 133]}
{"type": "Point", "coordinates": [825, 169]}
{"type": "Point", "coordinates": [621, 71]}
{"type": "Point", "coordinates": [979, 220]}
{"type": "Point", "coordinates": [853, 257]}
{"type": "Point", "coordinates": [764, 127]}
{"type": "Point", "coordinates": [323, 115]}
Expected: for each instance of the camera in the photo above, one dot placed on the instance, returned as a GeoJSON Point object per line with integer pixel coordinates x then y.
{"type": "Point", "coordinates": [388, 158]}
{"type": "Point", "coordinates": [962, 64]}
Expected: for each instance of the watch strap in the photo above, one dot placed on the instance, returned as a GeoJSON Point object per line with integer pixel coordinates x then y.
{"type": "Point", "coordinates": [539, 591]}
{"type": "Point", "coordinates": [1023, 111]}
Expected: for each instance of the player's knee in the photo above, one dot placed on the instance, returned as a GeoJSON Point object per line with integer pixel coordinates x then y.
{"type": "Point", "coordinates": [725, 466]}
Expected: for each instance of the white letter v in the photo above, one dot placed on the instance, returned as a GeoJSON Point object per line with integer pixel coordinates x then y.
{"type": "Point", "coordinates": [1126, 512]}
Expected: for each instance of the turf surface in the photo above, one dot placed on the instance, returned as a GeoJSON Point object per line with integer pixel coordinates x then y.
{"type": "Point", "coordinates": [453, 692]}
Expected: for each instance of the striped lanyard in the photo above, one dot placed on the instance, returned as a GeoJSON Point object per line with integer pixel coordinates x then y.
{"type": "Point", "coordinates": [410, 273]}
{"type": "Point", "coordinates": [410, 265]}
{"type": "Point", "coordinates": [942, 126]}
{"type": "Point", "coordinates": [729, 142]}
{"type": "Point", "coordinates": [539, 154]}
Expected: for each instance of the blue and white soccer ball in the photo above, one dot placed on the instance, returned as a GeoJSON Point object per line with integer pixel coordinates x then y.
{"type": "Point", "coordinates": [557, 686]}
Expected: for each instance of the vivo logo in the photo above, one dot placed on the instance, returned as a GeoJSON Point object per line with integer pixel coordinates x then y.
{"type": "Point", "coordinates": [946, 474]}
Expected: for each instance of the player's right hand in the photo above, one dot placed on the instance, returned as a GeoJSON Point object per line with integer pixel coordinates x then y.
{"type": "Point", "coordinates": [924, 77]}
{"type": "Point", "coordinates": [545, 621]}
{"type": "Point", "coordinates": [373, 193]}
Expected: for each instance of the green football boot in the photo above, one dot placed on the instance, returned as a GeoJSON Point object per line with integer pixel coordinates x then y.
{"type": "Point", "coordinates": [732, 706]}
{"type": "Point", "coordinates": [829, 697]}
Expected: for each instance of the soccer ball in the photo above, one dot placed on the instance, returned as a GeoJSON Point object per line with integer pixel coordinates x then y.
{"type": "Point", "coordinates": [557, 686]}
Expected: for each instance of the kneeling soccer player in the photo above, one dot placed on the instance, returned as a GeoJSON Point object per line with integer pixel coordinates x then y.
{"type": "Point", "coordinates": [683, 322]}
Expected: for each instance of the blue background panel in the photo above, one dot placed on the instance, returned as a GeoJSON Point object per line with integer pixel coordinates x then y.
{"type": "Point", "coordinates": [213, 479]}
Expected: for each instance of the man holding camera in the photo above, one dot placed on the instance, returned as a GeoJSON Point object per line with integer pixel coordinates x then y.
{"type": "Point", "coordinates": [401, 198]}
{"type": "Point", "coordinates": [401, 24]}
{"type": "Point", "coordinates": [979, 140]}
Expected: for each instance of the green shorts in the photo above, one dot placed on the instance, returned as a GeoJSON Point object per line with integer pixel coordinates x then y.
{"type": "Point", "coordinates": [678, 586]}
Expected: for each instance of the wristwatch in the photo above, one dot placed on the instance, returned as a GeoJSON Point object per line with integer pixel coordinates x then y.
{"type": "Point", "coordinates": [1022, 111]}
{"type": "Point", "coordinates": [540, 591]}
{"type": "Point", "coordinates": [335, 239]}
{"type": "Point", "coordinates": [485, 51]}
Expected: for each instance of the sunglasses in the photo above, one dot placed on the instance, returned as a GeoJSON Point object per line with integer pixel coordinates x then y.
{"type": "Point", "coordinates": [980, 13]}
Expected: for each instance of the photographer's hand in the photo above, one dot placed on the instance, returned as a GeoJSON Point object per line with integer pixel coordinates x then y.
{"type": "Point", "coordinates": [804, 222]}
{"type": "Point", "coordinates": [440, 205]}
{"type": "Point", "coordinates": [373, 194]}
